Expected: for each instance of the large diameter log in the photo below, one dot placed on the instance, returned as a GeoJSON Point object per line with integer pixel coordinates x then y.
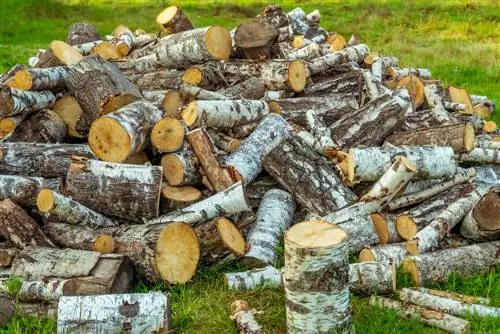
{"type": "Point", "coordinates": [481, 156]}
{"type": "Point", "coordinates": [243, 315]}
{"type": "Point", "coordinates": [118, 135]}
{"type": "Point", "coordinates": [274, 217]}
{"type": "Point", "coordinates": [231, 200]}
{"type": "Point", "coordinates": [427, 269]}
{"type": "Point", "coordinates": [156, 79]}
{"type": "Point", "coordinates": [181, 168]}
{"type": "Point", "coordinates": [173, 20]}
{"type": "Point", "coordinates": [135, 312]}
{"type": "Point", "coordinates": [18, 227]}
{"type": "Point", "coordinates": [46, 160]}
{"type": "Point", "coordinates": [100, 88]}
{"type": "Point", "coordinates": [229, 113]}
{"type": "Point", "coordinates": [368, 164]}
{"type": "Point", "coordinates": [53, 79]}
{"type": "Point", "coordinates": [42, 127]}
{"type": "Point", "coordinates": [482, 222]}
{"type": "Point", "coordinates": [82, 32]}
{"type": "Point", "coordinates": [79, 237]}
{"type": "Point", "coordinates": [308, 177]}
{"type": "Point", "coordinates": [370, 125]}
{"type": "Point", "coordinates": [253, 40]}
{"type": "Point", "coordinates": [460, 137]}
{"type": "Point", "coordinates": [19, 102]}
{"type": "Point", "coordinates": [355, 53]}
{"type": "Point", "coordinates": [68, 211]}
{"type": "Point", "coordinates": [246, 162]}
{"type": "Point", "coordinates": [442, 320]}
{"type": "Point", "coordinates": [169, 253]}
{"type": "Point", "coordinates": [219, 177]}
{"type": "Point", "coordinates": [24, 190]}
{"type": "Point", "coordinates": [448, 305]}
{"type": "Point", "coordinates": [316, 279]}
{"type": "Point", "coordinates": [131, 192]}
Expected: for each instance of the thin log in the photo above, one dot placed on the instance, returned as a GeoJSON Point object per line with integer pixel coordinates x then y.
{"type": "Point", "coordinates": [53, 79]}
{"type": "Point", "coordinates": [224, 142]}
{"type": "Point", "coordinates": [173, 20]}
{"type": "Point", "coordinates": [243, 315]}
{"type": "Point", "coordinates": [191, 92]}
{"type": "Point", "coordinates": [41, 291]}
{"type": "Point", "coordinates": [39, 310]}
{"type": "Point", "coordinates": [79, 237]}
{"type": "Point", "coordinates": [482, 222]}
{"type": "Point", "coordinates": [483, 141]}
{"type": "Point", "coordinates": [480, 155]}
{"type": "Point", "coordinates": [24, 190]}
{"type": "Point", "coordinates": [176, 198]}
{"type": "Point", "coordinates": [249, 280]}
{"type": "Point", "coordinates": [252, 88]}
{"type": "Point", "coordinates": [7, 309]}
{"type": "Point", "coordinates": [7, 256]}
{"type": "Point", "coordinates": [435, 103]}
{"type": "Point", "coordinates": [20, 102]}
{"type": "Point", "coordinates": [391, 253]}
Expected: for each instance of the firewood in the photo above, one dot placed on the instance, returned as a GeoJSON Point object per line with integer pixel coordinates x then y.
{"type": "Point", "coordinates": [368, 164]}
{"type": "Point", "coordinates": [167, 100]}
{"type": "Point", "coordinates": [9, 124]}
{"type": "Point", "coordinates": [390, 253]}
{"type": "Point", "coordinates": [308, 177]}
{"type": "Point", "coordinates": [191, 92]}
{"type": "Point", "coordinates": [371, 124]}
{"type": "Point", "coordinates": [246, 162]}
{"type": "Point", "coordinates": [455, 296]}
{"type": "Point", "coordinates": [173, 20]}
{"type": "Point", "coordinates": [351, 83]}
{"type": "Point", "coordinates": [249, 280]}
{"type": "Point", "coordinates": [5, 77]}
{"type": "Point", "coordinates": [106, 51]}
{"type": "Point", "coordinates": [243, 315]}
{"type": "Point", "coordinates": [355, 53]}
{"type": "Point", "coordinates": [453, 106]}
{"type": "Point", "coordinates": [360, 228]}
{"type": "Point", "coordinates": [253, 40]}
{"type": "Point", "coordinates": [167, 134]}
{"type": "Point", "coordinates": [46, 160]}
{"type": "Point", "coordinates": [229, 113]}
{"type": "Point", "coordinates": [124, 39]}
{"type": "Point", "coordinates": [19, 102]}
{"type": "Point", "coordinates": [79, 237]}
{"type": "Point", "coordinates": [7, 256]}
{"type": "Point", "coordinates": [274, 217]}
{"type": "Point", "coordinates": [480, 155]}
{"type": "Point", "coordinates": [231, 200]}
{"type": "Point", "coordinates": [435, 103]}
{"type": "Point", "coordinates": [130, 192]}
{"type": "Point", "coordinates": [92, 272]}
{"type": "Point", "coordinates": [460, 137]}
{"type": "Point", "coordinates": [53, 78]}
{"type": "Point", "coordinates": [460, 95]}
{"type": "Point", "coordinates": [395, 72]}
{"type": "Point", "coordinates": [118, 135]}
{"type": "Point", "coordinates": [224, 142]}
{"type": "Point", "coordinates": [134, 312]}
{"type": "Point", "coordinates": [82, 32]}
{"type": "Point", "coordinates": [450, 306]}
{"type": "Point", "coordinates": [482, 222]}
{"type": "Point", "coordinates": [483, 141]}
{"type": "Point", "coordinates": [169, 253]}
{"type": "Point", "coordinates": [85, 49]}
{"type": "Point", "coordinates": [7, 309]}
{"type": "Point", "coordinates": [176, 198]}
{"type": "Point", "coordinates": [58, 54]}
{"type": "Point", "coordinates": [375, 89]}
{"type": "Point", "coordinates": [46, 291]}
{"type": "Point", "coordinates": [252, 88]}
{"type": "Point", "coordinates": [181, 168]}
{"type": "Point", "coordinates": [42, 127]}
{"type": "Point", "coordinates": [309, 52]}
{"type": "Point", "coordinates": [219, 177]}
{"type": "Point", "coordinates": [385, 226]}
{"type": "Point", "coordinates": [100, 88]}
{"type": "Point", "coordinates": [69, 110]}
{"type": "Point", "coordinates": [155, 79]}
{"type": "Point", "coordinates": [316, 278]}
{"type": "Point", "coordinates": [429, 317]}
{"type": "Point", "coordinates": [24, 190]}
{"type": "Point", "coordinates": [271, 95]}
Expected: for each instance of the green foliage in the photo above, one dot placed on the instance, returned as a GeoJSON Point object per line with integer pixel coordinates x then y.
{"type": "Point", "coordinates": [13, 284]}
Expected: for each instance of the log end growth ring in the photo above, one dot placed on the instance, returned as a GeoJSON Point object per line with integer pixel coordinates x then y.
{"type": "Point", "coordinates": [104, 244]}
{"type": "Point", "coordinates": [315, 234]}
{"type": "Point", "coordinates": [109, 140]}
{"type": "Point", "coordinates": [167, 135]}
{"type": "Point", "coordinates": [192, 76]}
{"type": "Point", "coordinates": [406, 227]}
{"type": "Point", "coordinates": [218, 42]}
{"type": "Point", "coordinates": [45, 200]}
{"type": "Point", "coordinates": [410, 267]}
{"type": "Point", "coordinates": [366, 255]}
{"type": "Point", "coordinates": [173, 170]}
{"type": "Point", "coordinates": [297, 75]}
{"type": "Point", "coordinates": [231, 236]}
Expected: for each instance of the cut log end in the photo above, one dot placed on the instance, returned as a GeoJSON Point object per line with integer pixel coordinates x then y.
{"type": "Point", "coordinates": [109, 140]}
{"type": "Point", "coordinates": [412, 247]}
{"type": "Point", "coordinates": [104, 244]}
{"type": "Point", "coordinates": [415, 88]}
{"type": "Point", "coordinates": [7, 125]}
{"type": "Point", "coordinates": [218, 42]}
{"type": "Point", "coordinates": [69, 110]}
{"type": "Point", "coordinates": [190, 113]}
{"type": "Point", "coordinates": [366, 255]}
{"type": "Point", "coordinates": [167, 135]}
{"type": "Point", "coordinates": [231, 236]}
{"type": "Point", "coordinates": [351, 167]}
{"type": "Point", "coordinates": [45, 200]}
{"type": "Point", "coordinates": [380, 227]}
{"type": "Point", "coordinates": [469, 137]}
{"type": "Point", "coordinates": [410, 267]}
{"type": "Point", "coordinates": [406, 227]}
{"type": "Point", "coordinates": [173, 169]}
{"type": "Point", "coordinates": [106, 51]}
{"type": "Point", "coordinates": [116, 102]}
{"type": "Point", "coordinates": [315, 234]}
{"type": "Point", "coordinates": [177, 253]}
{"type": "Point", "coordinates": [489, 126]}
{"type": "Point", "coordinates": [337, 42]}
{"type": "Point", "coordinates": [192, 76]}
{"type": "Point", "coordinates": [167, 15]}
{"type": "Point", "coordinates": [297, 75]}
{"type": "Point", "coordinates": [21, 80]}
{"type": "Point", "coordinates": [184, 193]}
{"type": "Point", "coordinates": [171, 103]}
{"type": "Point", "coordinates": [65, 53]}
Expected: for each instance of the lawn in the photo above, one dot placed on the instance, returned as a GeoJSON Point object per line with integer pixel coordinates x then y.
{"type": "Point", "coordinates": [457, 40]}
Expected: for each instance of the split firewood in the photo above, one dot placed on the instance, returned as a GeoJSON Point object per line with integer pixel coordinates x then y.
{"type": "Point", "coordinates": [167, 134]}
{"type": "Point", "coordinates": [450, 306]}
{"type": "Point", "coordinates": [437, 319]}
{"type": "Point", "coordinates": [245, 163]}
{"type": "Point", "coordinates": [316, 278]}
{"type": "Point", "coordinates": [229, 113]}
{"type": "Point", "coordinates": [134, 312]}
{"type": "Point", "coordinates": [460, 95]}
{"type": "Point", "coordinates": [390, 253]}
{"type": "Point", "coordinates": [100, 88]}
{"type": "Point", "coordinates": [107, 50]}
{"type": "Point", "coordinates": [130, 192]}
{"type": "Point", "coordinates": [460, 137]}
{"type": "Point", "coordinates": [169, 253]}
{"type": "Point", "coordinates": [178, 197]}
{"type": "Point", "coordinates": [228, 201]}
{"type": "Point", "coordinates": [69, 110]}
{"type": "Point", "coordinates": [355, 53]}
{"type": "Point", "coordinates": [79, 237]}
{"type": "Point", "coordinates": [371, 124]}
{"type": "Point", "coordinates": [18, 227]}
{"type": "Point", "coordinates": [7, 309]}
{"type": "Point", "coordinates": [68, 211]}
{"type": "Point", "coordinates": [82, 32]}
{"type": "Point", "coordinates": [482, 222]}
{"type": "Point", "coordinates": [173, 20]}
{"type": "Point", "coordinates": [46, 160]}
{"type": "Point", "coordinates": [24, 190]}
{"type": "Point", "coordinates": [46, 291]}
{"type": "Point", "coordinates": [181, 168]}
{"type": "Point", "coordinates": [252, 88]}
{"type": "Point", "coordinates": [274, 217]}
{"type": "Point", "coordinates": [243, 315]}
{"type": "Point", "coordinates": [167, 100]}
{"type": "Point", "coordinates": [428, 238]}
{"type": "Point", "coordinates": [224, 142]}
{"type": "Point", "coordinates": [92, 272]}
{"type": "Point", "coordinates": [191, 92]}
{"type": "Point", "coordinates": [219, 177]}
{"type": "Point", "coordinates": [480, 155]}
{"type": "Point", "coordinates": [308, 177]}
{"type": "Point", "coordinates": [53, 78]}
{"type": "Point", "coordinates": [7, 255]}
{"type": "Point", "coordinates": [42, 127]}
{"type": "Point", "coordinates": [218, 239]}
{"type": "Point", "coordinates": [58, 54]}
{"type": "Point", "coordinates": [368, 164]}
{"type": "Point", "coordinates": [20, 102]}
{"type": "Point", "coordinates": [435, 103]}
{"type": "Point", "coordinates": [385, 226]}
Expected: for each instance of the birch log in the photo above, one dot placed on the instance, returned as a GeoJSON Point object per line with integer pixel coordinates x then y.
{"type": "Point", "coordinates": [385, 226]}
{"type": "Point", "coordinates": [427, 269]}
{"type": "Point", "coordinates": [249, 280]}
{"type": "Point", "coordinates": [351, 82]}
{"type": "Point", "coordinates": [481, 156]}
{"type": "Point", "coordinates": [176, 198]}
{"type": "Point", "coordinates": [19, 102]}
{"type": "Point", "coordinates": [173, 20]}
{"type": "Point", "coordinates": [368, 164]}
{"type": "Point", "coordinates": [48, 311]}
{"type": "Point", "coordinates": [155, 79]}
{"type": "Point", "coordinates": [391, 253]}
{"type": "Point", "coordinates": [82, 32]}
{"type": "Point", "coordinates": [191, 92]}
{"type": "Point", "coordinates": [120, 134]}
{"type": "Point", "coordinates": [355, 53]}
{"type": "Point", "coordinates": [308, 177]}
{"type": "Point", "coordinates": [79, 237]}
{"type": "Point", "coordinates": [24, 190]}
{"type": "Point", "coordinates": [42, 127]}
{"type": "Point", "coordinates": [246, 162]}
{"type": "Point", "coordinates": [229, 113]}
{"type": "Point", "coordinates": [435, 103]}
{"type": "Point", "coordinates": [135, 312]}
{"type": "Point", "coordinates": [243, 315]}
{"type": "Point", "coordinates": [442, 320]}
{"type": "Point", "coordinates": [316, 279]}
{"type": "Point", "coordinates": [274, 217]}
{"type": "Point", "coordinates": [45, 291]}
{"type": "Point", "coordinates": [360, 228]}
{"type": "Point", "coordinates": [224, 142]}
{"type": "Point", "coordinates": [252, 88]}
{"type": "Point", "coordinates": [131, 192]}
{"type": "Point", "coordinates": [53, 78]}
{"type": "Point", "coordinates": [450, 306]}
{"type": "Point", "coordinates": [456, 296]}
{"type": "Point", "coordinates": [488, 141]}
{"type": "Point", "coordinates": [482, 222]}
{"type": "Point", "coordinates": [181, 168]}
{"type": "Point", "coordinates": [167, 134]}
{"type": "Point", "coordinates": [368, 278]}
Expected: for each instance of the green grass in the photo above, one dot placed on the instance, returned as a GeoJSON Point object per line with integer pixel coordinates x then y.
{"type": "Point", "coordinates": [457, 40]}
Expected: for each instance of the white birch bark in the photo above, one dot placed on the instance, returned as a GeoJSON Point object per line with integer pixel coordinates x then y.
{"type": "Point", "coordinates": [319, 130]}
{"type": "Point", "coordinates": [243, 315]}
{"type": "Point", "coordinates": [441, 320]}
{"type": "Point", "coordinates": [86, 48]}
{"type": "Point", "coordinates": [249, 280]}
{"type": "Point", "coordinates": [24, 190]}
{"type": "Point", "coordinates": [376, 69]}
{"type": "Point", "coordinates": [488, 140]}
{"type": "Point", "coordinates": [372, 88]}
{"type": "Point", "coordinates": [52, 78]}
{"type": "Point", "coordinates": [274, 217]}
{"type": "Point", "coordinates": [453, 106]}
{"type": "Point", "coordinates": [368, 278]}
{"type": "Point", "coordinates": [271, 95]}
{"type": "Point", "coordinates": [197, 93]}
{"type": "Point", "coordinates": [435, 103]}
{"type": "Point", "coordinates": [423, 73]}
{"type": "Point", "coordinates": [361, 232]}
{"type": "Point", "coordinates": [391, 253]}
{"type": "Point", "coordinates": [133, 313]}
{"type": "Point", "coordinates": [480, 155]}
{"type": "Point", "coordinates": [355, 53]}
{"type": "Point", "coordinates": [45, 291]}
{"type": "Point", "coordinates": [21, 102]}
{"type": "Point", "coordinates": [246, 161]}
{"type": "Point", "coordinates": [309, 52]}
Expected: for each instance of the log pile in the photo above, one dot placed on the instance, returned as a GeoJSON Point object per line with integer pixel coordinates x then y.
{"type": "Point", "coordinates": [153, 155]}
